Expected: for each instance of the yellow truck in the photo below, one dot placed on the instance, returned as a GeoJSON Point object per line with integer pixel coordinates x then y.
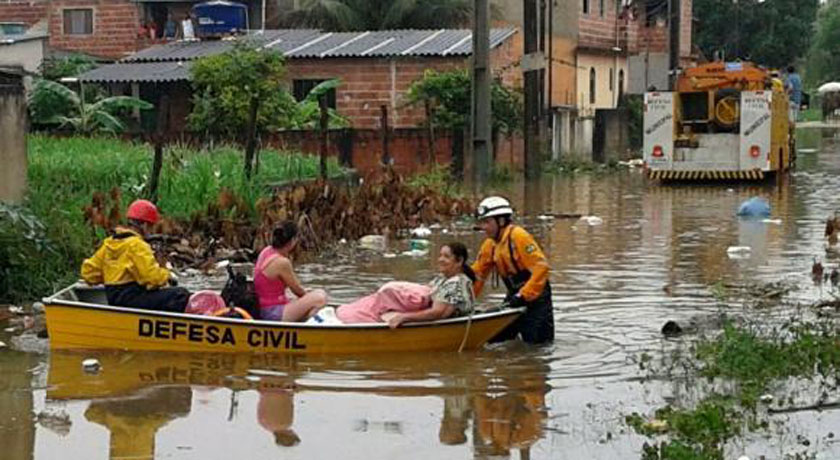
{"type": "Point", "coordinates": [724, 121]}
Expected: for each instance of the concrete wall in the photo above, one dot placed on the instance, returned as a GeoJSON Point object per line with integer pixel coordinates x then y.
{"type": "Point", "coordinates": [28, 54]}
{"type": "Point", "coordinates": [606, 97]}
{"type": "Point", "coordinates": [12, 142]}
{"type": "Point", "coordinates": [646, 70]}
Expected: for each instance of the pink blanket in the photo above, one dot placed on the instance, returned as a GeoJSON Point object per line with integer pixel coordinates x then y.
{"type": "Point", "coordinates": [398, 296]}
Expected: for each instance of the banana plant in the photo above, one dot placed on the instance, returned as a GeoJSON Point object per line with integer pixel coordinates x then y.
{"type": "Point", "coordinates": [83, 117]}
{"type": "Point", "coordinates": [308, 111]}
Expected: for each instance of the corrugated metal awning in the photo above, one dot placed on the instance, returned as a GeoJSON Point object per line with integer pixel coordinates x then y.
{"type": "Point", "coordinates": [152, 72]}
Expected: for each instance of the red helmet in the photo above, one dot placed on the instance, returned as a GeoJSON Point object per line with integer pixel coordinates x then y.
{"type": "Point", "coordinates": [143, 210]}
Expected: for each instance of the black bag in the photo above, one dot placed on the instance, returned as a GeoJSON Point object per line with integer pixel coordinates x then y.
{"type": "Point", "coordinates": [239, 292]}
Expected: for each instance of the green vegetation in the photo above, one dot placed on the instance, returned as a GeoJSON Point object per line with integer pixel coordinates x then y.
{"type": "Point", "coordinates": [773, 33]}
{"type": "Point", "coordinates": [823, 63]}
{"type": "Point", "coordinates": [227, 85]}
{"type": "Point", "coordinates": [749, 361]}
{"type": "Point", "coordinates": [449, 96]}
{"type": "Point", "coordinates": [575, 165]}
{"type": "Point", "coordinates": [695, 434]}
{"type": "Point", "coordinates": [55, 104]}
{"type": "Point", "coordinates": [64, 173]}
{"type": "Point", "coordinates": [350, 15]}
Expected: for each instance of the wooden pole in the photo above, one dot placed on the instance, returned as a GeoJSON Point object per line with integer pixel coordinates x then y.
{"type": "Point", "coordinates": [251, 144]}
{"type": "Point", "coordinates": [431, 127]}
{"type": "Point", "coordinates": [386, 135]}
{"type": "Point", "coordinates": [325, 120]}
{"type": "Point", "coordinates": [160, 133]}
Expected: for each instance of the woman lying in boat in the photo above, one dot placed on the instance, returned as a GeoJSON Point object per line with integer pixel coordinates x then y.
{"type": "Point", "coordinates": [399, 302]}
{"type": "Point", "coordinates": [126, 265]}
{"type": "Point", "coordinates": [273, 273]}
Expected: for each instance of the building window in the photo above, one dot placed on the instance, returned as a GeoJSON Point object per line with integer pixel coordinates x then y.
{"type": "Point", "coordinates": [585, 6]}
{"type": "Point", "coordinates": [301, 88]}
{"type": "Point", "coordinates": [78, 21]}
{"type": "Point", "coordinates": [601, 6]}
{"type": "Point", "coordinates": [12, 28]}
{"type": "Point", "coordinates": [592, 85]}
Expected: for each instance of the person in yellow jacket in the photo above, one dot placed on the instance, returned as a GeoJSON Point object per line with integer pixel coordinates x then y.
{"type": "Point", "coordinates": [518, 260]}
{"type": "Point", "coordinates": [126, 265]}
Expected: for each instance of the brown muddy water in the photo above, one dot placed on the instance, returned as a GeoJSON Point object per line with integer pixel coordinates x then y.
{"type": "Point", "coordinates": [655, 257]}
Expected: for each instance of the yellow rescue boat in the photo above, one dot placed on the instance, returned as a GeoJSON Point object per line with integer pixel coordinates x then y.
{"type": "Point", "coordinates": [78, 317]}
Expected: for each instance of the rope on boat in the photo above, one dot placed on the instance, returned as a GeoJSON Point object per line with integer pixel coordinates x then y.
{"type": "Point", "coordinates": [466, 332]}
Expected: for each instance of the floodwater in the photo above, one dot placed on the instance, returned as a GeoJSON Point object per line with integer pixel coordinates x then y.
{"type": "Point", "coordinates": [654, 257]}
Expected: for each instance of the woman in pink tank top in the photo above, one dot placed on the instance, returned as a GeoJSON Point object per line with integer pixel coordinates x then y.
{"type": "Point", "coordinates": [273, 273]}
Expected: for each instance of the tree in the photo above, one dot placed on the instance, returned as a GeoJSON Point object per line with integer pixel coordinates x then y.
{"type": "Point", "coordinates": [447, 98]}
{"type": "Point", "coordinates": [354, 15]}
{"type": "Point", "coordinates": [773, 33]}
{"type": "Point", "coordinates": [101, 115]}
{"type": "Point", "coordinates": [227, 84]}
{"type": "Point", "coordinates": [823, 63]}
{"type": "Point", "coordinates": [449, 93]}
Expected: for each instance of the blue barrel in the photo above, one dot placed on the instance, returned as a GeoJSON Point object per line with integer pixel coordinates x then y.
{"type": "Point", "coordinates": [220, 17]}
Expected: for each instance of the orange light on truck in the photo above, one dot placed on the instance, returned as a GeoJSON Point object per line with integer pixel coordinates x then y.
{"type": "Point", "coordinates": [755, 151]}
{"type": "Point", "coordinates": [657, 151]}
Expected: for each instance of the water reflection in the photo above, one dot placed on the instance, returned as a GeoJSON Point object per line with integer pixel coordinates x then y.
{"type": "Point", "coordinates": [17, 430]}
{"type": "Point", "coordinates": [133, 422]}
{"type": "Point", "coordinates": [491, 403]}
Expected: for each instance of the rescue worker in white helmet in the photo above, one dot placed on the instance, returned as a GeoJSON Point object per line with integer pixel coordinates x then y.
{"type": "Point", "coordinates": [522, 266]}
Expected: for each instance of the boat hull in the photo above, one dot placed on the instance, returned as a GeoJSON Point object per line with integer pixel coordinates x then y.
{"type": "Point", "coordinates": [77, 326]}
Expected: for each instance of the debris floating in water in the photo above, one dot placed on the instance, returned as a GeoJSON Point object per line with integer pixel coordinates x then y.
{"type": "Point", "coordinates": [91, 365]}
{"type": "Point", "coordinates": [418, 244]}
{"type": "Point", "coordinates": [3, 345]}
{"type": "Point", "coordinates": [421, 232]}
{"type": "Point", "coordinates": [738, 252]}
{"type": "Point", "coordinates": [592, 220]}
{"type": "Point", "coordinates": [767, 399]}
{"type": "Point", "coordinates": [373, 242]}
{"type": "Point", "coordinates": [772, 221]}
{"type": "Point", "coordinates": [416, 252]}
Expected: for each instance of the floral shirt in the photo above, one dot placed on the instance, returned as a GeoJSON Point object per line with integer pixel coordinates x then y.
{"type": "Point", "coordinates": [456, 291]}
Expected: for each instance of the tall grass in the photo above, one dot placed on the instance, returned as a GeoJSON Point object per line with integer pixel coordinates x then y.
{"type": "Point", "coordinates": [64, 173]}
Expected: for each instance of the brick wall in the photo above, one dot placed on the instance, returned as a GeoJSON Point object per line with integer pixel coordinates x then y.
{"type": "Point", "coordinates": [655, 38]}
{"type": "Point", "coordinates": [367, 84]}
{"type": "Point", "coordinates": [596, 30]}
{"type": "Point", "coordinates": [115, 24]}
{"type": "Point", "coordinates": [26, 11]}
{"type": "Point", "coordinates": [408, 148]}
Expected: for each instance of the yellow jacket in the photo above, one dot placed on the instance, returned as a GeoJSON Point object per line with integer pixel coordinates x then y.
{"type": "Point", "coordinates": [124, 258]}
{"type": "Point", "coordinates": [527, 254]}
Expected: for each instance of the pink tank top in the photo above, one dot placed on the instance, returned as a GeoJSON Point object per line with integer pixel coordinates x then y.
{"type": "Point", "coordinates": [269, 292]}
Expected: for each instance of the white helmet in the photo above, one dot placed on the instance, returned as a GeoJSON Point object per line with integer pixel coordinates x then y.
{"type": "Point", "coordinates": [493, 206]}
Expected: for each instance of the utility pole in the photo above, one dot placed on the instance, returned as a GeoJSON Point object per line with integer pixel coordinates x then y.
{"type": "Point", "coordinates": [532, 64]}
{"type": "Point", "coordinates": [482, 144]}
{"type": "Point", "coordinates": [674, 21]}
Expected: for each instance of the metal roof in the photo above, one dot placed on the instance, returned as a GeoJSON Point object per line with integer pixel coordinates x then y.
{"type": "Point", "coordinates": [153, 72]}
{"type": "Point", "coordinates": [295, 44]}
{"type": "Point", "coordinates": [308, 43]}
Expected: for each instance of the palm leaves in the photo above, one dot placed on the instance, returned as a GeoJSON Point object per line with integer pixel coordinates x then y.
{"type": "Point", "coordinates": [82, 117]}
{"type": "Point", "coordinates": [355, 15]}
